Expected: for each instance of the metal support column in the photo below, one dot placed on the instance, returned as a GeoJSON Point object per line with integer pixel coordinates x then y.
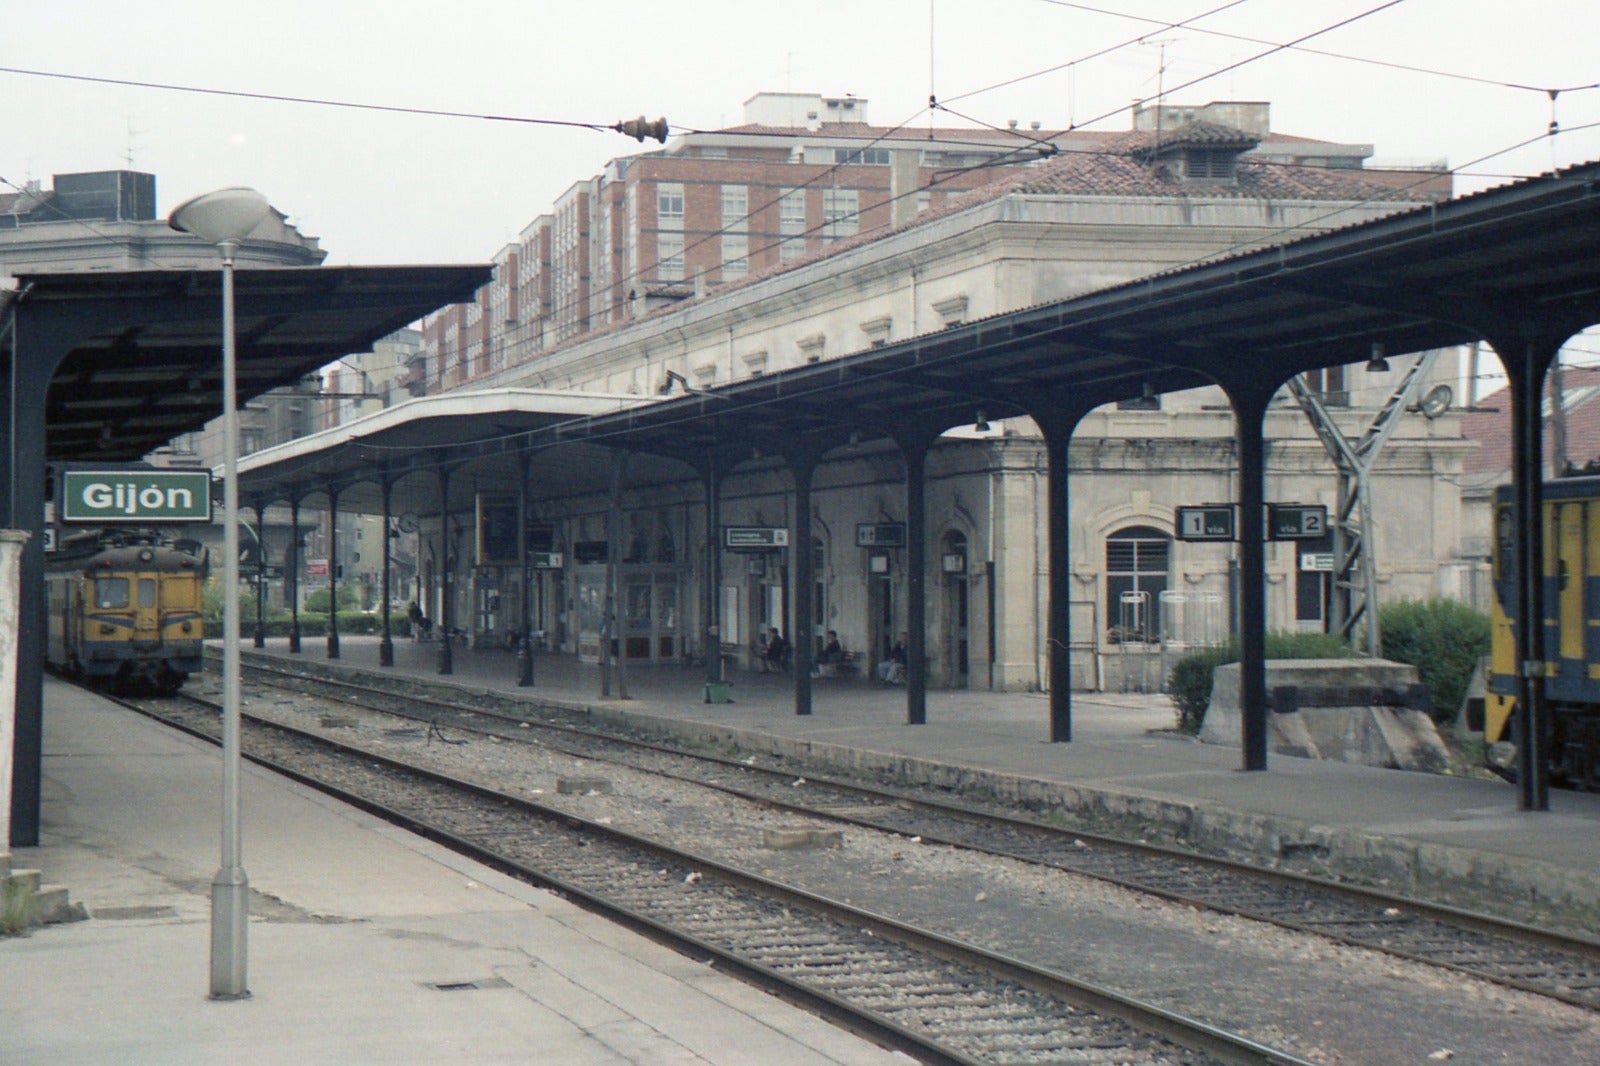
{"type": "Point", "coordinates": [1058, 638]}
{"type": "Point", "coordinates": [914, 447]}
{"type": "Point", "coordinates": [525, 568]}
{"type": "Point", "coordinates": [803, 465]}
{"type": "Point", "coordinates": [1526, 360]}
{"type": "Point", "coordinates": [613, 646]}
{"type": "Point", "coordinates": [291, 572]}
{"type": "Point", "coordinates": [333, 572]}
{"type": "Point", "coordinates": [386, 642]}
{"type": "Point", "coordinates": [446, 614]}
{"type": "Point", "coordinates": [22, 419]}
{"type": "Point", "coordinates": [712, 477]}
{"type": "Point", "coordinates": [1250, 400]}
{"type": "Point", "coordinates": [260, 509]}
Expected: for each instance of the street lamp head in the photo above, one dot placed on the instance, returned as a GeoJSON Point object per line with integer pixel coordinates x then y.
{"type": "Point", "coordinates": [226, 216]}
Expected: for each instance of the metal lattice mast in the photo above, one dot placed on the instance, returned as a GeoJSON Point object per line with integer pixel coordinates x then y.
{"type": "Point", "coordinates": [1355, 571]}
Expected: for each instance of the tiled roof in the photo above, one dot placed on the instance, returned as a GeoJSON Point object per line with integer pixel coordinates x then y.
{"type": "Point", "coordinates": [1489, 424]}
{"type": "Point", "coordinates": [1119, 169]}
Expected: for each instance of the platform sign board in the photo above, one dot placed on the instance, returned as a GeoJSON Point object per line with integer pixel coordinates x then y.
{"type": "Point", "coordinates": [1296, 521]}
{"type": "Point", "coordinates": [135, 496]}
{"type": "Point", "coordinates": [1316, 562]}
{"type": "Point", "coordinates": [881, 535]}
{"type": "Point", "coordinates": [1213, 521]}
{"type": "Point", "coordinates": [755, 538]}
{"type": "Point", "coordinates": [545, 560]}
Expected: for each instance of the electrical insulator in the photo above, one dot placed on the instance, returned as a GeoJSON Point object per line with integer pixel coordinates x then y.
{"type": "Point", "coordinates": [641, 127]}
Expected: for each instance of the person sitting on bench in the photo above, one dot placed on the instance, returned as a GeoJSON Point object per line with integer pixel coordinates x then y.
{"type": "Point", "coordinates": [777, 651]}
{"type": "Point", "coordinates": [830, 655]}
{"type": "Point", "coordinates": [892, 671]}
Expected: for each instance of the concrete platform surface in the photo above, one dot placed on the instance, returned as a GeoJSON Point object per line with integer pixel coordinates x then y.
{"type": "Point", "coordinates": [366, 944]}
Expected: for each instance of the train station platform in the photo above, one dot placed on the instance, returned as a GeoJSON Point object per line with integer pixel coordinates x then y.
{"type": "Point", "coordinates": [1455, 837]}
{"type": "Point", "coordinates": [366, 944]}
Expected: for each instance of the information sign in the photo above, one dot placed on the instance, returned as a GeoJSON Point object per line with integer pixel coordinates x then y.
{"type": "Point", "coordinates": [1213, 521]}
{"type": "Point", "coordinates": [1296, 521]}
{"type": "Point", "coordinates": [755, 537]}
{"type": "Point", "coordinates": [881, 535]}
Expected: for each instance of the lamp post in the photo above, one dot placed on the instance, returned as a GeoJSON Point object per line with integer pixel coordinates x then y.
{"type": "Point", "coordinates": [224, 218]}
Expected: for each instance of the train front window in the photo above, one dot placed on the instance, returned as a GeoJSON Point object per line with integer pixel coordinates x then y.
{"type": "Point", "coordinates": [147, 593]}
{"type": "Point", "coordinates": [110, 593]}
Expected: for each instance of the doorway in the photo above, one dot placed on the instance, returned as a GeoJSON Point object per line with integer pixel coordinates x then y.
{"type": "Point", "coordinates": [956, 591]}
{"type": "Point", "coordinates": [880, 609]}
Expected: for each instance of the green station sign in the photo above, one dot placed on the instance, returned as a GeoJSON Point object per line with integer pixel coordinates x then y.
{"type": "Point", "coordinates": [130, 496]}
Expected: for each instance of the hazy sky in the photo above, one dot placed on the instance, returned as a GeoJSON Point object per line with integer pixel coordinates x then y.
{"type": "Point", "coordinates": [403, 188]}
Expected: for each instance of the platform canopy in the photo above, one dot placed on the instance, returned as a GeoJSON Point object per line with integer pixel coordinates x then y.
{"type": "Point", "coordinates": [145, 363]}
{"type": "Point", "coordinates": [1501, 264]}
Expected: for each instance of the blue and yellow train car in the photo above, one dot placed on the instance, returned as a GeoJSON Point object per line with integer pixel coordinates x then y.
{"type": "Point", "coordinates": [1571, 572]}
{"type": "Point", "coordinates": [126, 609]}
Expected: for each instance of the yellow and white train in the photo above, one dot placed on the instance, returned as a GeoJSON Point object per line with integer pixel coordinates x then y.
{"type": "Point", "coordinates": [1571, 572]}
{"type": "Point", "coordinates": [126, 609]}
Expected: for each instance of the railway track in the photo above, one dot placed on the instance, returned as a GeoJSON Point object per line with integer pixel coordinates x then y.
{"type": "Point", "coordinates": [1510, 954]}
{"type": "Point", "coordinates": [932, 996]}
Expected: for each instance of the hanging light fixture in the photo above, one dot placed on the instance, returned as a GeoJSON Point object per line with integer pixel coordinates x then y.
{"type": "Point", "coordinates": [1377, 364]}
{"type": "Point", "coordinates": [982, 424]}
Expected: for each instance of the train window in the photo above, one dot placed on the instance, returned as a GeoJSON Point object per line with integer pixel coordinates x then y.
{"type": "Point", "coordinates": [147, 592]}
{"type": "Point", "coordinates": [110, 593]}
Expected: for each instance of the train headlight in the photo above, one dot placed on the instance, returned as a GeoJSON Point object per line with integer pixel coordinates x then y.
{"type": "Point", "coordinates": [145, 555]}
{"type": "Point", "coordinates": [187, 627]}
{"type": "Point", "coordinates": [106, 631]}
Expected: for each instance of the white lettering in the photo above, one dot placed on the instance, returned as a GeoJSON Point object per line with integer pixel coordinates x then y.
{"type": "Point", "coordinates": [97, 496]}
{"type": "Point", "coordinates": [180, 499]}
{"type": "Point", "coordinates": [152, 497]}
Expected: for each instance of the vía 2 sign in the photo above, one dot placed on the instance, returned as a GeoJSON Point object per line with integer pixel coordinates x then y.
{"type": "Point", "coordinates": [135, 496]}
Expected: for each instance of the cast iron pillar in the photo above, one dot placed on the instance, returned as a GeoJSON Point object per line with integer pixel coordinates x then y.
{"type": "Point", "coordinates": [291, 572]}
{"type": "Point", "coordinates": [261, 573]}
{"type": "Point", "coordinates": [1057, 423]}
{"type": "Point", "coordinates": [914, 447]}
{"type": "Point", "coordinates": [802, 463]}
{"type": "Point", "coordinates": [1526, 360]}
{"type": "Point", "coordinates": [712, 481]}
{"type": "Point", "coordinates": [386, 642]}
{"type": "Point", "coordinates": [525, 565]}
{"type": "Point", "coordinates": [1250, 399]}
{"type": "Point", "coordinates": [333, 572]}
{"type": "Point", "coordinates": [613, 640]}
{"type": "Point", "coordinates": [446, 615]}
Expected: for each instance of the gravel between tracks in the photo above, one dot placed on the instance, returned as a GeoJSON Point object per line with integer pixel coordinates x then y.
{"type": "Point", "coordinates": [1323, 1001]}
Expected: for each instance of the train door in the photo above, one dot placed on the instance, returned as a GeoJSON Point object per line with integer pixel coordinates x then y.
{"type": "Point", "coordinates": [1571, 571]}
{"type": "Point", "coordinates": [146, 613]}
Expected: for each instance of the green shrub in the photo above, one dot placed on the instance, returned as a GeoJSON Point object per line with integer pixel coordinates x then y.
{"type": "Point", "coordinates": [1444, 639]}
{"type": "Point", "coordinates": [1189, 684]}
{"type": "Point", "coordinates": [15, 907]}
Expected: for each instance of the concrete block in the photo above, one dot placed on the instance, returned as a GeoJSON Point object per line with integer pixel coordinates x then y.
{"type": "Point", "coordinates": [782, 839]}
{"type": "Point", "coordinates": [1391, 733]}
{"type": "Point", "coordinates": [339, 721]}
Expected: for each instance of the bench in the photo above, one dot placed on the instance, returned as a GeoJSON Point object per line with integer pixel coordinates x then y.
{"type": "Point", "coordinates": [847, 666]}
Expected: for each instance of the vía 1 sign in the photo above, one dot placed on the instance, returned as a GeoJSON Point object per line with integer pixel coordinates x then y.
{"type": "Point", "coordinates": [128, 496]}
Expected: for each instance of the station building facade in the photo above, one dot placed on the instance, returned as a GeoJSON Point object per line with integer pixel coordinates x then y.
{"type": "Point", "coordinates": [1179, 188]}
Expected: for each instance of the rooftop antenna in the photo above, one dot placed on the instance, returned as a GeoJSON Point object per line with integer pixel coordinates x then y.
{"type": "Point", "coordinates": [128, 156]}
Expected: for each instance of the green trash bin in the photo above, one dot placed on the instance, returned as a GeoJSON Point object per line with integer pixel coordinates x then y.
{"type": "Point", "coordinates": [717, 692]}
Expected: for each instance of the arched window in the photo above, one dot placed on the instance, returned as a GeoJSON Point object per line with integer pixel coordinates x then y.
{"type": "Point", "coordinates": [1136, 576]}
